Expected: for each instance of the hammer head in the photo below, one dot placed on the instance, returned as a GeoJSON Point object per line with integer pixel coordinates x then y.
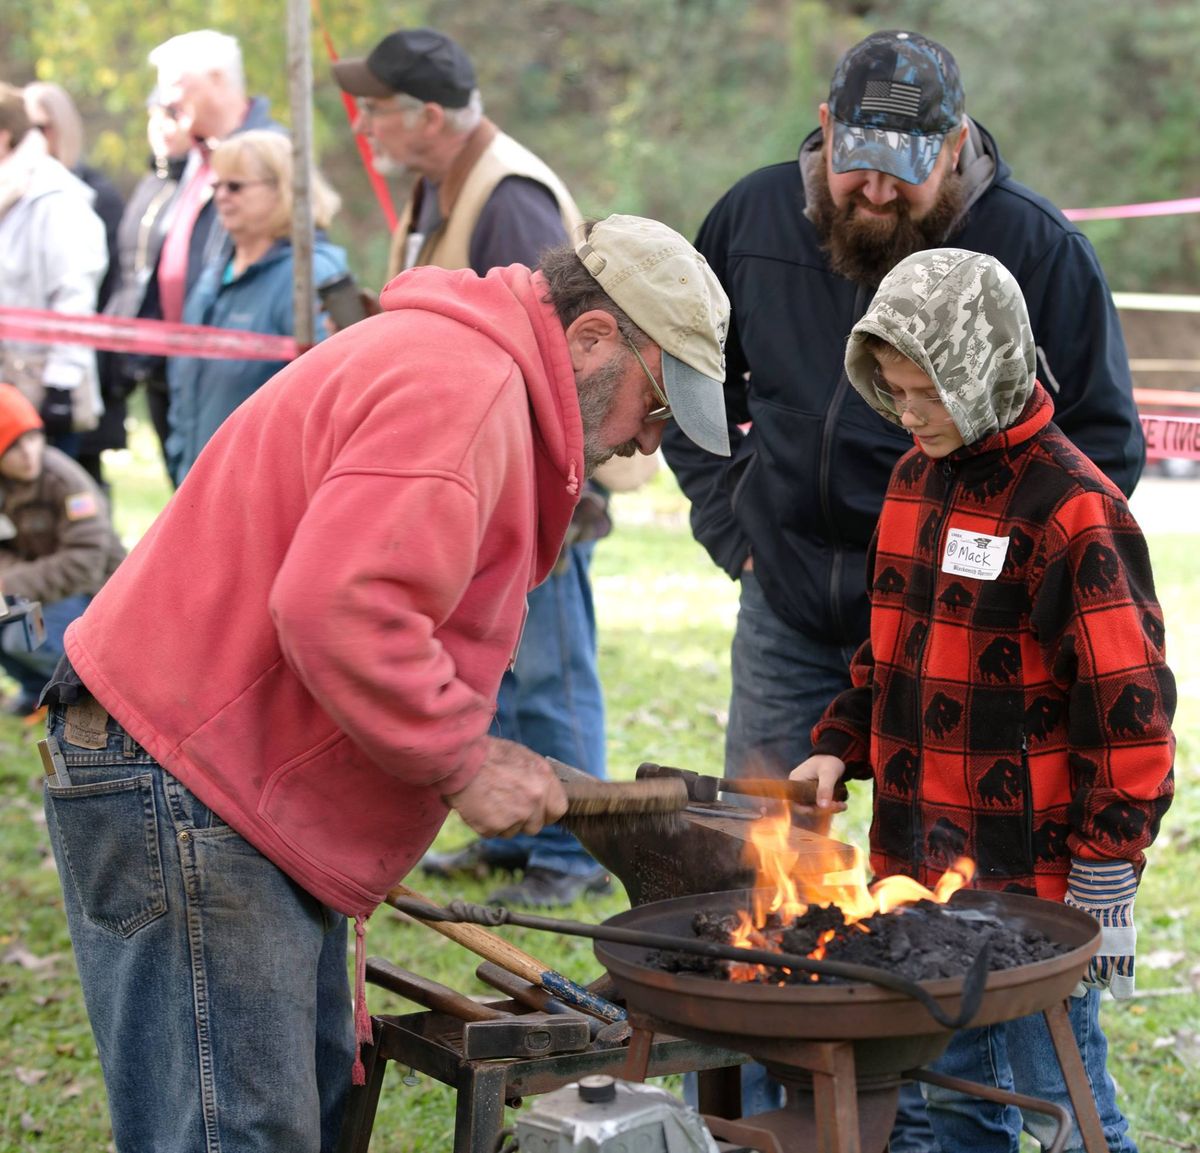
{"type": "Point", "coordinates": [525, 1035]}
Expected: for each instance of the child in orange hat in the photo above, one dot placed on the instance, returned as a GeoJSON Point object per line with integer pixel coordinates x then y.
{"type": "Point", "coordinates": [57, 544]}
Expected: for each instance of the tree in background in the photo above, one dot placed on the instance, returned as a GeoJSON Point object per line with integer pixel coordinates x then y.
{"type": "Point", "coordinates": [657, 106]}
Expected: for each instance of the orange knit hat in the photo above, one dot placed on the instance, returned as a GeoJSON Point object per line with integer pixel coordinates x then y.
{"type": "Point", "coordinates": [17, 416]}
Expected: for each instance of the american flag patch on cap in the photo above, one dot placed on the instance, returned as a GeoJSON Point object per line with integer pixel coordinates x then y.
{"type": "Point", "coordinates": [81, 504]}
{"type": "Point", "coordinates": [892, 97]}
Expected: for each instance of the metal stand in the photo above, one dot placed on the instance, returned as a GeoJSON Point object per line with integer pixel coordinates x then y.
{"type": "Point", "coordinates": [832, 1109]}
{"type": "Point", "coordinates": [427, 1042]}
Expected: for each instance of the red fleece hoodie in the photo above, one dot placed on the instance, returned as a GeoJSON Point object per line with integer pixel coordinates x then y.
{"type": "Point", "coordinates": [312, 634]}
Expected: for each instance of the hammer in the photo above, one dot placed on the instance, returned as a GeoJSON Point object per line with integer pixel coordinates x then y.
{"type": "Point", "coordinates": [487, 1032]}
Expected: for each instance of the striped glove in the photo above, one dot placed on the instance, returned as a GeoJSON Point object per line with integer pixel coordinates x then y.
{"type": "Point", "coordinates": [1106, 889]}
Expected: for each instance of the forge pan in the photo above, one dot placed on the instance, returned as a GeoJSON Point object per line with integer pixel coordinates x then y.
{"type": "Point", "coordinates": [695, 1004]}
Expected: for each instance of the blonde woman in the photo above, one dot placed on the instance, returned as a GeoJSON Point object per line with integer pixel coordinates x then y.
{"type": "Point", "coordinates": [248, 286]}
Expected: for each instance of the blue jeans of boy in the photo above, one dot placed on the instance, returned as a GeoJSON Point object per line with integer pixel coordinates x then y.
{"type": "Point", "coordinates": [552, 702]}
{"type": "Point", "coordinates": [216, 987]}
{"type": "Point", "coordinates": [31, 670]}
{"type": "Point", "coordinates": [1018, 1055]}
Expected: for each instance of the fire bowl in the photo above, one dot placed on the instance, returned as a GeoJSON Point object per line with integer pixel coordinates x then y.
{"type": "Point", "coordinates": [761, 1020]}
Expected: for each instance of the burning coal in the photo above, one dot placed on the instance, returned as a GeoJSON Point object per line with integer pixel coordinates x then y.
{"type": "Point", "coordinates": [895, 924]}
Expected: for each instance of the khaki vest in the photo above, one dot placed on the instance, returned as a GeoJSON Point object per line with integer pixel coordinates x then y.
{"type": "Point", "coordinates": [450, 245]}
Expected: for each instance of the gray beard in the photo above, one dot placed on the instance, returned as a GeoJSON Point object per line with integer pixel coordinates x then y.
{"type": "Point", "coordinates": [596, 393]}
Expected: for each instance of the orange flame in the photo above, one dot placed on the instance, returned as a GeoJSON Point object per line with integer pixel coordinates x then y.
{"type": "Point", "coordinates": [786, 892]}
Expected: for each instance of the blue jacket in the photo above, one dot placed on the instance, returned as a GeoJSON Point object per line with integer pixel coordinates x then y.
{"type": "Point", "coordinates": [203, 391]}
{"type": "Point", "coordinates": [804, 486]}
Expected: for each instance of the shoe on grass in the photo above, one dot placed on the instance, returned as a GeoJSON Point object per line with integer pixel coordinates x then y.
{"type": "Point", "coordinates": [545, 889]}
{"type": "Point", "coordinates": [476, 860]}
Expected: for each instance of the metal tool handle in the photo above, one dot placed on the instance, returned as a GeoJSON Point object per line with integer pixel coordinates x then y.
{"type": "Point", "coordinates": [431, 994]}
{"type": "Point", "coordinates": [494, 948]}
{"type": "Point", "coordinates": [706, 788]}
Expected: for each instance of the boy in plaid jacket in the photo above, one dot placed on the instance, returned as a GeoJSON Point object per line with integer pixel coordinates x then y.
{"type": "Point", "coordinates": [1012, 703]}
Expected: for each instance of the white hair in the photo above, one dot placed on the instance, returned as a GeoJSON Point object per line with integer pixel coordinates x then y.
{"type": "Point", "coordinates": [194, 53]}
{"type": "Point", "coordinates": [459, 121]}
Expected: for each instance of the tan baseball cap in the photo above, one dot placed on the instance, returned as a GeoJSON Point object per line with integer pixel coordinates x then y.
{"type": "Point", "coordinates": [668, 290]}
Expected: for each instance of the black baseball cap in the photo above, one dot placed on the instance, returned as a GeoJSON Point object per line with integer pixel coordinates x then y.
{"type": "Point", "coordinates": [416, 61]}
{"type": "Point", "coordinates": [894, 97]}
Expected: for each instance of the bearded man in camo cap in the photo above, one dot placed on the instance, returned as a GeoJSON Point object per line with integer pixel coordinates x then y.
{"type": "Point", "coordinates": [1012, 703]}
{"type": "Point", "coordinates": [895, 166]}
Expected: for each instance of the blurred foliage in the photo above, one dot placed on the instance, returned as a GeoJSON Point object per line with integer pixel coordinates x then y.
{"type": "Point", "coordinates": [657, 106]}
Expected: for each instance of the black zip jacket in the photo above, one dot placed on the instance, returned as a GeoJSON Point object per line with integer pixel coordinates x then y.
{"type": "Point", "coordinates": [804, 486]}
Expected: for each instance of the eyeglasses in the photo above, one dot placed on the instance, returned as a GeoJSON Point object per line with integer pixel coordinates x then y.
{"type": "Point", "coordinates": [369, 110]}
{"type": "Point", "coordinates": [663, 412]}
{"type": "Point", "coordinates": [233, 187]}
{"type": "Point", "coordinates": [927, 409]}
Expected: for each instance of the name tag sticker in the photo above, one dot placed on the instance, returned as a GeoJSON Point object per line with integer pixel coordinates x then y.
{"type": "Point", "coordinates": [974, 554]}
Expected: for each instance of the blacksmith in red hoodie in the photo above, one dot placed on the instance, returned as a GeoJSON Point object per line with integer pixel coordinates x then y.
{"type": "Point", "coordinates": [1012, 703]}
{"type": "Point", "coordinates": [268, 712]}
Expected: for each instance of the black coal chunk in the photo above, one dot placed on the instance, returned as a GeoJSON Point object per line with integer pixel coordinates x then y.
{"type": "Point", "coordinates": [925, 941]}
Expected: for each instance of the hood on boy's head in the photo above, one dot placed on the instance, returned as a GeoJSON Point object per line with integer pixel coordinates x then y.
{"type": "Point", "coordinates": [961, 318]}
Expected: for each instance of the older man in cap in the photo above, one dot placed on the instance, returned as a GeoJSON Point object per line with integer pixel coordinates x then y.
{"type": "Point", "coordinates": [896, 166]}
{"type": "Point", "coordinates": [265, 716]}
{"type": "Point", "coordinates": [482, 201]}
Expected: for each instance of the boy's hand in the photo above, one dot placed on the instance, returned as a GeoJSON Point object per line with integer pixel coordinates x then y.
{"type": "Point", "coordinates": [1106, 889]}
{"type": "Point", "coordinates": [826, 770]}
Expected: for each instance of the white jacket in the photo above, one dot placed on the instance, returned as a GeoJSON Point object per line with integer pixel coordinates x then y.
{"type": "Point", "coordinates": [53, 255]}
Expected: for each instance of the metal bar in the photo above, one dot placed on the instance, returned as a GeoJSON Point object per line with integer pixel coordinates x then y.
{"type": "Point", "coordinates": [1079, 1088]}
{"type": "Point", "coordinates": [835, 1097]}
{"type": "Point", "coordinates": [1003, 1097]}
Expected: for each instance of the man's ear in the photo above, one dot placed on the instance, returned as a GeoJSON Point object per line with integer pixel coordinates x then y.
{"type": "Point", "coordinates": [823, 117]}
{"type": "Point", "coordinates": [962, 139]}
{"type": "Point", "coordinates": [591, 337]}
{"type": "Point", "coordinates": [433, 118]}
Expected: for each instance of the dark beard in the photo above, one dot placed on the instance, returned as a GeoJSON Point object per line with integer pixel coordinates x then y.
{"type": "Point", "coordinates": [596, 392]}
{"type": "Point", "coordinates": [865, 251]}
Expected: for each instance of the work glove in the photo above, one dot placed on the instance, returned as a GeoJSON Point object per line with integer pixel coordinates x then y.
{"type": "Point", "coordinates": [56, 413]}
{"type": "Point", "coordinates": [1106, 889]}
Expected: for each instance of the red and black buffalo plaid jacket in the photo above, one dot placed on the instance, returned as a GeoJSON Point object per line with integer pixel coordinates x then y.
{"type": "Point", "coordinates": [1019, 721]}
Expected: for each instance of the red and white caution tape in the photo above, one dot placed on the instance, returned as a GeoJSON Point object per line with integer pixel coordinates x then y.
{"type": "Point", "coordinates": [1129, 211]}
{"type": "Point", "coordinates": [149, 337]}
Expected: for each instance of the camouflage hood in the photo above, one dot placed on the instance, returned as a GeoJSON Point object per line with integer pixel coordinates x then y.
{"type": "Point", "coordinates": [961, 318]}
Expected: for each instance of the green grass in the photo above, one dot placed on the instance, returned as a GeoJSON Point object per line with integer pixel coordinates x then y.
{"type": "Point", "coordinates": [666, 616]}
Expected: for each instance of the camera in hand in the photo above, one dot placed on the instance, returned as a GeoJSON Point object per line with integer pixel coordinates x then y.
{"type": "Point", "coordinates": [342, 299]}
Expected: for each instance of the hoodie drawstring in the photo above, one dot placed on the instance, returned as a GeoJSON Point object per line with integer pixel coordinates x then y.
{"type": "Point", "coordinates": [362, 1019]}
{"type": "Point", "coordinates": [572, 479]}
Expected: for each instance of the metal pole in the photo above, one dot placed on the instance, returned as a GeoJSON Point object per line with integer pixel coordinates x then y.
{"type": "Point", "coordinates": [300, 98]}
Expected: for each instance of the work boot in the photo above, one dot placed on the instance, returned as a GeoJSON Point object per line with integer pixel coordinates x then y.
{"type": "Point", "coordinates": [545, 889]}
{"type": "Point", "coordinates": [476, 860]}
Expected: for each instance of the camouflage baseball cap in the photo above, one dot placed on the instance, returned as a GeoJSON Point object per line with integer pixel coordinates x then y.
{"type": "Point", "coordinates": [893, 98]}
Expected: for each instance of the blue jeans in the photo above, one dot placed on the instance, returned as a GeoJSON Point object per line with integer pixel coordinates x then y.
{"type": "Point", "coordinates": [552, 702]}
{"type": "Point", "coordinates": [216, 987]}
{"type": "Point", "coordinates": [782, 681]}
{"type": "Point", "coordinates": [1018, 1055]}
{"type": "Point", "coordinates": [32, 670]}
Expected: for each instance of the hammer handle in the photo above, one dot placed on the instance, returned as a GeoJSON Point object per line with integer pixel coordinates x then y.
{"type": "Point", "coordinates": [490, 947]}
{"type": "Point", "coordinates": [431, 994]}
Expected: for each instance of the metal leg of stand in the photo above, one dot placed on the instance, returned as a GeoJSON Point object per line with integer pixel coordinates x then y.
{"type": "Point", "coordinates": [362, 1101]}
{"type": "Point", "coordinates": [479, 1107]}
{"type": "Point", "coordinates": [1079, 1088]}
